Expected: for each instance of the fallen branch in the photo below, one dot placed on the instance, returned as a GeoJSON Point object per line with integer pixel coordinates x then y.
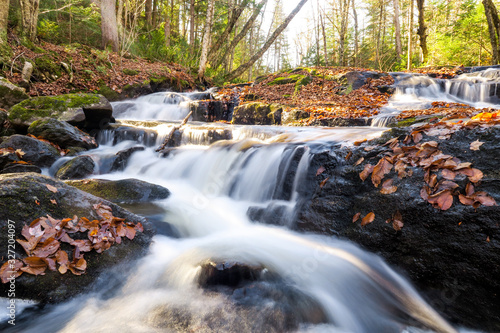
{"type": "Point", "coordinates": [169, 140]}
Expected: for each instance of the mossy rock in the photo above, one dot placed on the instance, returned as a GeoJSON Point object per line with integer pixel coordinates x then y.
{"type": "Point", "coordinates": [87, 110]}
{"type": "Point", "coordinates": [109, 93]}
{"type": "Point", "coordinates": [10, 94]}
{"type": "Point", "coordinates": [252, 114]}
{"type": "Point", "coordinates": [131, 72]}
{"type": "Point", "coordinates": [294, 115]}
{"type": "Point", "coordinates": [77, 168]}
{"type": "Point", "coordinates": [27, 196]}
{"type": "Point", "coordinates": [302, 82]}
{"type": "Point", "coordinates": [122, 191]}
{"type": "Point", "coordinates": [61, 133]}
{"type": "Point", "coordinates": [285, 80]}
{"type": "Point", "coordinates": [47, 66]}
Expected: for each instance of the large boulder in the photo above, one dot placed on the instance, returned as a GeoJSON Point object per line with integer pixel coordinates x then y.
{"type": "Point", "coordinates": [10, 94]}
{"type": "Point", "coordinates": [77, 168]}
{"type": "Point", "coordinates": [26, 197]}
{"type": "Point", "coordinates": [452, 255]}
{"type": "Point", "coordinates": [61, 133]}
{"type": "Point", "coordinates": [32, 150]}
{"type": "Point", "coordinates": [123, 190]}
{"type": "Point", "coordinates": [293, 115]}
{"type": "Point", "coordinates": [257, 114]}
{"type": "Point", "coordinates": [90, 111]}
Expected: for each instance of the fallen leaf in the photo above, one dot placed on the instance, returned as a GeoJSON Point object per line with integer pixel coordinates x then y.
{"type": "Point", "coordinates": [368, 219]}
{"type": "Point", "coordinates": [475, 145]}
{"type": "Point", "coordinates": [356, 217]}
{"type": "Point", "coordinates": [321, 169]}
{"type": "Point", "coordinates": [397, 221]}
{"type": "Point", "coordinates": [357, 143]}
{"type": "Point", "coordinates": [323, 183]}
{"type": "Point", "coordinates": [51, 188]}
{"type": "Point", "coordinates": [348, 156]}
{"type": "Point", "coordinates": [382, 168]}
{"type": "Point", "coordinates": [488, 239]}
{"type": "Point", "coordinates": [442, 200]}
{"type": "Point", "coordinates": [20, 153]}
{"type": "Point", "coordinates": [448, 174]}
{"type": "Point", "coordinates": [477, 175]}
{"type": "Point", "coordinates": [10, 270]}
{"type": "Point", "coordinates": [53, 201]}
{"type": "Point", "coordinates": [387, 187]}
{"type": "Point", "coordinates": [366, 172]}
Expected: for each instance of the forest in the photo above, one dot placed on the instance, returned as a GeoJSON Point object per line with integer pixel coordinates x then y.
{"type": "Point", "coordinates": [242, 39]}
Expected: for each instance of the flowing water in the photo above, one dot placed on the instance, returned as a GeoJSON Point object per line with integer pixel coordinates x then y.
{"type": "Point", "coordinates": [305, 283]}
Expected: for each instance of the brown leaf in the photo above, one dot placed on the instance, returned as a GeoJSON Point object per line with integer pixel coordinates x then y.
{"type": "Point", "coordinates": [425, 192]}
{"type": "Point", "coordinates": [36, 266]}
{"type": "Point", "coordinates": [53, 201]}
{"type": "Point", "coordinates": [20, 153]}
{"type": "Point", "coordinates": [348, 156]}
{"type": "Point", "coordinates": [62, 257]}
{"type": "Point", "coordinates": [49, 247]}
{"type": "Point", "coordinates": [397, 221]}
{"type": "Point", "coordinates": [442, 200]}
{"type": "Point", "coordinates": [368, 219]}
{"type": "Point", "coordinates": [475, 145]}
{"type": "Point", "coordinates": [10, 270]}
{"type": "Point", "coordinates": [357, 143]}
{"type": "Point", "coordinates": [485, 199]}
{"type": "Point", "coordinates": [139, 227]}
{"type": "Point", "coordinates": [416, 136]}
{"type": "Point", "coordinates": [469, 189]}
{"type": "Point", "coordinates": [387, 187]}
{"type": "Point", "coordinates": [432, 180]}
{"type": "Point", "coordinates": [366, 172]}
{"type": "Point", "coordinates": [477, 175]}
{"type": "Point", "coordinates": [323, 183]}
{"type": "Point", "coordinates": [382, 168]}
{"type": "Point", "coordinates": [321, 169]}
{"type": "Point", "coordinates": [130, 233]}
{"type": "Point", "coordinates": [51, 188]}
{"type": "Point", "coordinates": [448, 174]}
{"type": "Point", "coordinates": [461, 166]}
{"type": "Point", "coordinates": [358, 162]}
{"type": "Point", "coordinates": [356, 217]}
{"type": "Point", "coordinates": [84, 245]}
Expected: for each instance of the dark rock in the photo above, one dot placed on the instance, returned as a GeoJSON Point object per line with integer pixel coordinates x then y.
{"type": "Point", "coordinates": [25, 197]}
{"type": "Point", "coordinates": [35, 151]}
{"type": "Point", "coordinates": [452, 256]}
{"type": "Point", "coordinates": [341, 122]}
{"type": "Point", "coordinates": [76, 168]}
{"type": "Point", "coordinates": [357, 79]}
{"type": "Point", "coordinates": [90, 111]}
{"type": "Point", "coordinates": [61, 133]}
{"type": "Point", "coordinates": [146, 137]}
{"type": "Point", "coordinates": [122, 157]}
{"type": "Point", "coordinates": [5, 125]}
{"type": "Point", "coordinates": [20, 168]}
{"type": "Point", "coordinates": [227, 273]}
{"type": "Point", "coordinates": [272, 214]}
{"type": "Point", "coordinates": [10, 94]}
{"type": "Point", "coordinates": [257, 114]}
{"type": "Point", "coordinates": [123, 190]}
{"type": "Point", "coordinates": [210, 110]}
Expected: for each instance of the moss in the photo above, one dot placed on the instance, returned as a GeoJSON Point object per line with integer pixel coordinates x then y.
{"type": "Point", "coordinates": [109, 93]}
{"type": "Point", "coordinates": [46, 106]}
{"type": "Point", "coordinates": [285, 80]}
{"type": "Point", "coordinates": [46, 64]}
{"type": "Point", "coordinates": [302, 82]}
{"type": "Point", "coordinates": [128, 71]}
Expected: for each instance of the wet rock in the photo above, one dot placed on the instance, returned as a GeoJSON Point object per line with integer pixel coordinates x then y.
{"type": "Point", "coordinates": [227, 273]}
{"type": "Point", "coordinates": [274, 214]}
{"type": "Point", "coordinates": [5, 126]}
{"type": "Point", "coordinates": [357, 79]}
{"type": "Point", "coordinates": [90, 111]}
{"type": "Point", "coordinates": [122, 157]}
{"type": "Point", "coordinates": [452, 256]}
{"type": "Point", "coordinates": [123, 190]}
{"type": "Point", "coordinates": [25, 197]}
{"type": "Point", "coordinates": [35, 151]}
{"type": "Point", "coordinates": [76, 168]}
{"type": "Point", "coordinates": [61, 133]}
{"type": "Point", "coordinates": [10, 94]}
{"type": "Point", "coordinates": [210, 110]}
{"type": "Point", "coordinates": [20, 168]}
{"type": "Point", "coordinates": [341, 122]}
{"type": "Point", "coordinates": [146, 137]}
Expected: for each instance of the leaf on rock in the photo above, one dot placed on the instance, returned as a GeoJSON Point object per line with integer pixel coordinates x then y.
{"type": "Point", "coordinates": [475, 145]}
{"type": "Point", "coordinates": [323, 183]}
{"type": "Point", "coordinates": [442, 200]}
{"type": "Point", "coordinates": [51, 188]}
{"type": "Point", "coordinates": [10, 270]}
{"type": "Point", "coordinates": [356, 217]}
{"type": "Point", "coordinates": [477, 175]}
{"type": "Point", "coordinates": [321, 169]}
{"type": "Point", "coordinates": [368, 219]}
{"type": "Point", "coordinates": [397, 221]}
{"type": "Point", "coordinates": [448, 174]}
{"type": "Point", "coordinates": [20, 153]}
{"type": "Point", "coordinates": [358, 162]}
{"type": "Point", "coordinates": [130, 233]}
{"type": "Point", "coordinates": [382, 168]}
{"type": "Point", "coordinates": [49, 247]}
{"type": "Point", "coordinates": [387, 187]}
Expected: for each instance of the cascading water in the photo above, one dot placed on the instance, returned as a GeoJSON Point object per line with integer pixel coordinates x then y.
{"type": "Point", "coordinates": [304, 283]}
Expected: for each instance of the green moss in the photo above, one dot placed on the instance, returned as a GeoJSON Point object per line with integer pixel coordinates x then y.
{"type": "Point", "coordinates": [127, 71]}
{"type": "Point", "coordinates": [109, 93]}
{"type": "Point", "coordinates": [285, 80]}
{"type": "Point", "coordinates": [46, 106]}
{"type": "Point", "coordinates": [46, 64]}
{"type": "Point", "coordinates": [302, 82]}
{"type": "Point", "coordinates": [404, 122]}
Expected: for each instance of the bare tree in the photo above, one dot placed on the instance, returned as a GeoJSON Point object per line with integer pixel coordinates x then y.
{"type": "Point", "coordinates": [29, 13]}
{"type": "Point", "coordinates": [241, 69]}
{"type": "Point", "coordinates": [4, 14]}
{"type": "Point", "coordinates": [206, 40]}
{"type": "Point", "coordinates": [410, 35]}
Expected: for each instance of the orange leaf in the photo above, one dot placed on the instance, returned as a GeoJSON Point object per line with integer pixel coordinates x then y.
{"type": "Point", "coordinates": [51, 188]}
{"type": "Point", "coordinates": [368, 219]}
{"type": "Point", "coordinates": [387, 187]}
{"type": "Point", "coordinates": [442, 200]}
{"type": "Point", "coordinates": [382, 168]}
{"type": "Point", "coordinates": [356, 217]}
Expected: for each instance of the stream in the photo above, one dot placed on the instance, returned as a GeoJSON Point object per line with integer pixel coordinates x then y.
{"type": "Point", "coordinates": [300, 282]}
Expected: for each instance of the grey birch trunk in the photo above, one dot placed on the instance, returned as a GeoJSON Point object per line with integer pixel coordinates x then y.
{"type": "Point", "coordinates": [206, 40]}
{"type": "Point", "coordinates": [109, 27]}
{"type": "Point", "coordinates": [241, 69]}
{"type": "Point", "coordinates": [410, 35]}
{"type": "Point", "coordinates": [29, 13]}
{"type": "Point", "coordinates": [325, 46]}
{"type": "Point", "coordinates": [356, 35]}
{"type": "Point", "coordinates": [397, 31]}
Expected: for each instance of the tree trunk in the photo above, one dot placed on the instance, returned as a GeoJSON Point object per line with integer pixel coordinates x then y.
{"type": "Point", "coordinates": [233, 18]}
{"type": "Point", "coordinates": [148, 12]}
{"type": "Point", "coordinates": [109, 27]}
{"type": "Point", "coordinates": [206, 40]}
{"type": "Point", "coordinates": [410, 35]}
{"type": "Point", "coordinates": [154, 19]}
{"type": "Point", "coordinates": [4, 14]}
{"type": "Point", "coordinates": [494, 29]}
{"type": "Point", "coordinates": [397, 31]}
{"type": "Point", "coordinates": [344, 21]}
{"type": "Point", "coordinates": [241, 69]}
{"type": "Point", "coordinates": [192, 19]}
{"type": "Point", "coordinates": [29, 13]}
{"type": "Point", "coordinates": [325, 47]}
{"type": "Point", "coordinates": [422, 30]}
{"type": "Point", "coordinates": [230, 50]}
{"type": "Point", "coordinates": [356, 35]}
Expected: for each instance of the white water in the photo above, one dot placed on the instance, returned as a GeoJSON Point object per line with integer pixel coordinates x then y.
{"type": "Point", "coordinates": [212, 188]}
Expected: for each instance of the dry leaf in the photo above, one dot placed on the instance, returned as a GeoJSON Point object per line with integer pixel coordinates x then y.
{"type": "Point", "coordinates": [475, 145]}
{"type": "Point", "coordinates": [387, 187]}
{"type": "Point", "coordinates": [51, 188]}
{"type": "Point", "coordinates": [366, 172]}
{"type": "Point", "coordinates": [368, 219]}
{"type": "Point", "coordinates": [356, 217]}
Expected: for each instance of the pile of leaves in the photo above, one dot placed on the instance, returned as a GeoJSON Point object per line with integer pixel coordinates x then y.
{"type": "Point", "coordinates": [324, 97]}
{"type": "Point", "coordinates": [440, 170]}
{"type": "Point", "coordinates": [45, 238]}
{"type": "Point", "coordinates": [91, 69]}
{"type": "Point", "coordinates": [446, 110]}
{"type": "Point", "coordinates": [446, 72]}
